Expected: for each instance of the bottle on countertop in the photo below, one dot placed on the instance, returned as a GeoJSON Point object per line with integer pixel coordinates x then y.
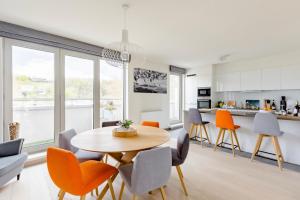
{"type": "Point", "coordinates": [283, 103]}
{"type": "Point", "coordinates": [273, 106]}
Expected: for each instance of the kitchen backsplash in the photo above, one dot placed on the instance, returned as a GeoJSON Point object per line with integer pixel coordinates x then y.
{"type": "Point", "coordinates": [241, 97]}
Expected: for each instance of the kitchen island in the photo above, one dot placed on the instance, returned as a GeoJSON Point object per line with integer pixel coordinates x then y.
{"type": "Point", "coordinates": [289, 142]}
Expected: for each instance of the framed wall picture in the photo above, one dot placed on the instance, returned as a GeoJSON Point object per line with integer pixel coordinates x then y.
{"type": "Point", "coordinates": [148, 81]}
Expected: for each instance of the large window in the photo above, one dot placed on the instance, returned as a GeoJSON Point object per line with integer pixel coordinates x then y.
{"type": "Point", "coordinates": [111, 91]}
{"type": "Point", "coordinates": [30, 70]}
{"type": "Point", "coordinates": [175, 98]}
{"type": "Point", "coordinates": [79, 77]}
{"type": "Point", "coordinates": [48, 90]}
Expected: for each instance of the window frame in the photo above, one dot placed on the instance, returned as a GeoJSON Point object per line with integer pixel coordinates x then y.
{"type": "Point", "coordinates": [173, 122]}
{"type": "Point", "coordinates": [8, 84]}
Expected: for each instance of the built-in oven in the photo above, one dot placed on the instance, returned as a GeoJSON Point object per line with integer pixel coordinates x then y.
{"type": "Point", "coordinates": [203, 92]}
{"type": "Point", "coordinates": [203, 103]}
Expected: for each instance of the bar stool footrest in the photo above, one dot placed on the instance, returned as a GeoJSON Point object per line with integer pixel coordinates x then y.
{"type": "Point", "coordinates": [198, 139]}
{"type": "Point", "coordinates": [221, 145]}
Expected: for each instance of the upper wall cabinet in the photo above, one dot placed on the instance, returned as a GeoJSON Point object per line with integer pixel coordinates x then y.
{"type": "Point", "coordinates": [271, 79]}
{"type": "Point", "coordinates": [204, 80]}
{"type": "Point", "coordinates": [290, 78]}
{"type": "Point", "coordinates": [228, 82]}
{"type": "Point", "coordinates": [251, 80]}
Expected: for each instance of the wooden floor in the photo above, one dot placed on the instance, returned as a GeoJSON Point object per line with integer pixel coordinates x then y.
{"type": "Point", "coordinates": [209, 175]}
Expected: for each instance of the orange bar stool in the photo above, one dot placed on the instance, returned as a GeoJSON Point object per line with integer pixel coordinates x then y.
{"type": "Point", "coordinates": [150, 123]}
{"type": "Point", "coordinates": [77, 178]}
{"type": "Point", "coordinates": [224, 121]}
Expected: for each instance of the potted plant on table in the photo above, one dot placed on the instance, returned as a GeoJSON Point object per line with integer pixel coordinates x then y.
{"type": "Point", "coordinates": [125, 129]}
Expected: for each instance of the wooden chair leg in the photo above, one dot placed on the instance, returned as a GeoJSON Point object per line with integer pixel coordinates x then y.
{"type": "Point", "coordinates": [82, 197]}
{"type": "Point", "coordinates": [106, 158]}
{"type": "Point", "coordinates": [201, 136]}
{"type": "Point", "coordinates": [222, 136]}
{"type": "Point", "coordinates": [279, 149]}
{"type": "Point", "coordinates": [111, 189]}
{"type": "Point", "coordinates": [196, 132]}
{"type": "Point", "coordinates": [163, 194]}
{"type": "Point", "coordinates": [218, 138]}
{"type": "Point", "coordinates": [232, 143]}
{"type": "Point", "coordinates": [181, 180]}
{"type": "Point", "coordinates": [205, 131]}
{"type": "Point", "coordinates": [122, 190]}
{"type": "Point", "coordinates": [134, 197]}
{"type": "Point", "coordinates": [257, 146]}
{"type": "Point", "coordinates": [236, 140]}
{"type": "Point", "coordinates": [61, 195]}
{"type": "Point", "coordinates": [191, 130]}
{"type": "Point", "coordinates": [277, 152]}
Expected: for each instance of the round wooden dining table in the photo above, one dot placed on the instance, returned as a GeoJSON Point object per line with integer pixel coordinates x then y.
{"type": "Point", "coordinates": [123, 150]}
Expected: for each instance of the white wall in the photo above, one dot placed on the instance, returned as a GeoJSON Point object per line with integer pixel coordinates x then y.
{"type": "Point", "coordinates": [141, 102]}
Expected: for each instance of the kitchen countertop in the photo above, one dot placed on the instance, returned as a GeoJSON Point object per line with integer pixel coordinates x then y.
{"type": "Point", "coordinates": [249, 113]}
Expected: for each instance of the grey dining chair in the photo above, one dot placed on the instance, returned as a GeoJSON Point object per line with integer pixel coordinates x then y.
{"type": "Point", "coordinates": [179, 155]}
{"type": "Point", "coordinates": [150, 170]}
{"type": "Point", "coordinates": [266, 125]}
{"type": "Point", "coordinates": [195, 120]}
{"type": "Point", "coordinates": [65, 143]}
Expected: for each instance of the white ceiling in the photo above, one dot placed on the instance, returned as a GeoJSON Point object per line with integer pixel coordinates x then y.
{"type": "Point", "coordinates": [187, 33]}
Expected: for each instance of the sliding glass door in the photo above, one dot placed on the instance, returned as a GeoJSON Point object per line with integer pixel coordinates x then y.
{"type": "Point", "coordinates": [30, 91]}
{"type": "Point", "coordinates": [79, 89]}
{"type": "Point", "coordinates": [111, 91]}
{"type": "Point", "coordinates": [175, 98]}
{"type": "Point", "coordinates": [48, 90]}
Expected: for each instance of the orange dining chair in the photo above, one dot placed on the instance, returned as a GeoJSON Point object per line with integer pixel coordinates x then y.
{"type": "Point", "coordinates": [150, 123]}
{"type": "Point", "coordinates": [76, 178]}
{"type": "Point", "coordinates": [224, 121]}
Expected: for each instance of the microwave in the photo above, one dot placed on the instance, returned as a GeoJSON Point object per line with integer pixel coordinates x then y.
{"type": "Point", "coordinates": [203, 103]}
{"type": "Point", "coordinates": [203, 92]}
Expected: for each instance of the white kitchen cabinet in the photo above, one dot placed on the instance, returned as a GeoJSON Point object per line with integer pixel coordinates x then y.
{"type": "Point", "coordinates": [251, 80]}
{"type": "Point", "coordinates": [204, 80]}
{"type": "Point", "coordinates": [271, 79]}
{"type": "Point", "coordinates": [191, 92]}
{"type": "Point", "coordinates": [290, 78]}
{"type": "Point", "coordinates": [228, 82]}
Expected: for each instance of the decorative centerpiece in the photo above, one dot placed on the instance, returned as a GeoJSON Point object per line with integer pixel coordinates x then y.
{"type": "Point", "coordinates": [124, 129]}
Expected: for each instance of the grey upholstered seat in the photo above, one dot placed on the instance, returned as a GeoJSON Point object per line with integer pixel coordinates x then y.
{"type": "Point", "coordinates": [65, 143]}
{"type": "Point", "coordinates": [266, 123]}
{"type": "Point", "coordinates": [183, 143]}
{"type": "Point", "coordinates": [195, 117]}
{"type": "Point", "coordinates": [150, 170]}
{"type": "Point", "coordinates": [179, 155]}
{"type": "Point", "coordinates": [11, 160]}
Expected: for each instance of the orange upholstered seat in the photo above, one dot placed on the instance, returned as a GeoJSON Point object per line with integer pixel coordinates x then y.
{"type": "Point", "coordinates": [224, 120]}
{"type": "Point", "coordinates": [151, 123]}
{"type": "Point", "coordinates": [75, 178]}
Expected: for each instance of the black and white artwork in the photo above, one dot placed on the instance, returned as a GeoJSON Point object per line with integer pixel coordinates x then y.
{"type": "Point", "coordinates": [148, 81]}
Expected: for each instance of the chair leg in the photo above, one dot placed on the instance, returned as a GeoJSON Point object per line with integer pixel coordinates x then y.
{"type": "Point", "coordinates": [277, 152]}
{"type": "Point", "coordinates": [257, 146]}
{"type": "Point", "coordinates": [111, 189]}
{"type": "Point", "coordinates": [163, 194]}
{"type": "Point", "coordinates": [196, 133]}
{"type": "Point", "coordinates": [205, 131]}
{"type": "Point", "coordinates": [61, 195]}
{"type": "Point", "coordinates": [134, 197]}
{"type": "Point", "coordinates": [232, 143]}
{"type": "Point", "coordinates": [201, 136]}
{"type": "Point", "coordinates": [191, 130]}
{"type": "Point", "coordinates": [97, 191]}
{"type": "Point", "coordinates": [218, 138]}
{"type": "Point", "coordinates": [236, 140]}
{"type": "Point", "coordinates": [82, 197]}
{"type": "Point", "coordinates": [106, 158]}
{"type": "Point", "coordinates": [122, 190]}
{"type": "Point", "coordinates": [181, 179]}
{"type": "Point", "coordinates": [279, 149]}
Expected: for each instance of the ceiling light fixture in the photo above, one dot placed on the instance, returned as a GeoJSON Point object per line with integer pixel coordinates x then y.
{"type": "Point", "coordinates": [125, 47]}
